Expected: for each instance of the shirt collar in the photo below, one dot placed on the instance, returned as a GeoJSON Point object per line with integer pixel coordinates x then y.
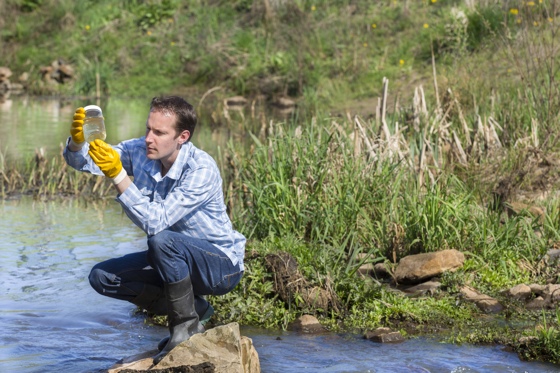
{"type": "Point", "coordinates": [154, 167]}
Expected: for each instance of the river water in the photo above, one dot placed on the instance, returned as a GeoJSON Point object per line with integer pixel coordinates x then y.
{"type": "Point", "coordinates": [52, 321]}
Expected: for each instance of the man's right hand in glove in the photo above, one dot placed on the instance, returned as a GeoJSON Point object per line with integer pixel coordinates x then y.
{"type": "Point", "coordinates": [77, 130]}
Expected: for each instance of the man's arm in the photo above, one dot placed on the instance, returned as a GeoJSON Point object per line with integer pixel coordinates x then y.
{"type": "Point", "coordinates": [192, 193]}
{"type": "Point", "coordinates": [123, 185]}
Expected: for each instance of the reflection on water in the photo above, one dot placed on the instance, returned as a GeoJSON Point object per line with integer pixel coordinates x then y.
{"type": "Point", "coordinates": [30, 124]}
{"type": "Point", "coordinates": [52, 321]}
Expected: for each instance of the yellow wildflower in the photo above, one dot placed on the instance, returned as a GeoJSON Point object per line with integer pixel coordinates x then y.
{"type": "Point", "coordinates": [313, 8]}
{"type": "Point", "coordinates": [426, 25]}
{"type": "Point", "coordinates": [514, 11]}
{"type": "Point", "coordinates": [434, 1]}
{"type": "Point", "coordinates": [365, 45]}
{"type": "Point", "coordinates": [87, 27]}
{"type": "Point", "coordinates": [373, 25]}
{"type": "Point", "coordinates": [401, 62]}
{"type": "Point", "coordinates": [535, 23]}
{"type": "Point", "coordinates": [530, 3]}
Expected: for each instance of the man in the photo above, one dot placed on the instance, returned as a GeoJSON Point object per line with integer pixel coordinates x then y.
{"type": "Point", "coordinates": [176, 198]}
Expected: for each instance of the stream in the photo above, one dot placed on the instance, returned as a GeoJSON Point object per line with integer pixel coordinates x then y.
{"type": "Point", "coordinates": [52, 321]}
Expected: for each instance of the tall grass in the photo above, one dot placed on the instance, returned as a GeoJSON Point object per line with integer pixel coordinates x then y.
{"type": "Point", "coordinates": [349, 187]}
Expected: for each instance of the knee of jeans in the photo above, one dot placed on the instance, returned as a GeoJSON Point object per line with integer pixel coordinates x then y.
{"type": "Point", "coordinates": [156, 244]}
{"type": "Point", "coordinates": [95, 281]}
{"type": "Point", "coordinates": [159, 240]}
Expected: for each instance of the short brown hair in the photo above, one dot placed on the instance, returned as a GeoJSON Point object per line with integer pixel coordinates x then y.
{"type": "Point", "coordinates": [184, 112]}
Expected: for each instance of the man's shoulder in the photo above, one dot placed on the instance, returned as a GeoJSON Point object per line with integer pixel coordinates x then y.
{"type": "Point", "coordinates": [200, 158]}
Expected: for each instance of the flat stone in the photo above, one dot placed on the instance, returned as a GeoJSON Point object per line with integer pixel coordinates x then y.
{"type": "Point", "coordinates": [485, 303]}
{"type": "Point", "coordinates": [428, 287]}
{"type": "Point", "coordinates": [384, 335]}
{"type": "Point", "coordinates": [537, 288]}
{"type": "Point", "coordinates": [520, 292]}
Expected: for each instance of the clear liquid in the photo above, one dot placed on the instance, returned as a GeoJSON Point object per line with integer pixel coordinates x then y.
{"type": "Point", "coordinates": [94, 128]}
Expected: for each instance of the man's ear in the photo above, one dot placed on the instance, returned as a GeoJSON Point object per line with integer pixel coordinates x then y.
{"type": "Point", "coordinates": [184, 137]}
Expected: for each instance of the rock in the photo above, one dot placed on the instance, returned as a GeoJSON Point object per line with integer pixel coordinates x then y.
{"type": "Point", "coordinates": [284, 103]}
{"type": "Point", "coordinates": [221, 350]}
{"type": "Point", "coordinates": [414, 269]}
{"type": "Point", "coordinates": [384, 335]}
{"type": "Point", "coordinates": [5, 87]}
{"type": "Point", "coordinates": [17, 88]}
{"type": "Point", "coordinates": [553, 255]}
{"type": "Point", "coordinates": [366, 270]}
{"type": "Point", "coordinates": [428, 287]}
{"type": "Point", "coordinates": [516, 208]}
{"type": "Point", "coordinates": [485, 303]}
{"type": "Point", "coordinates": [58, 72]}
{"type": "Point", "coordinates": [537, 289]}
{"type": "Point", "coordinates": [307, 324]}
{"type": "Point", "coordinates": [528, 340]}
{"type": "Point", "coordinates": [5, 73]}
{"type": "Point", "coordinates": [236, 101]}
{"type": "Point", "coordinates": [380, 270]}
{"type": "Point", "coordinates": [520, 292]}
{"type": "Point", "coordinates": [537, 303]}
{"type": "Point", "coordinates": [24, 77]}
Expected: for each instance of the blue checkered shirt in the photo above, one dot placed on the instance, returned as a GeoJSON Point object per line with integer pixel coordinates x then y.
{"type": "Point", "coordinates": [188, 199]}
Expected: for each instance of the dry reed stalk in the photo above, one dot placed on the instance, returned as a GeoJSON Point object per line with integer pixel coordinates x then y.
{"type": "Point", "coordinates": [384, 104]}
{"type": "Point", "coordinates": [534, 132]}
{"type": "Point", "coordinates": [462, 119]}
{"type": "Point", "coordinates": [438, 104]}
{"type": "Point", "coordinates": [368, 143]}
{"type": "Point", "coordinates": [494, 134]}
{"type": "Point", "coordinates": [462, 156]}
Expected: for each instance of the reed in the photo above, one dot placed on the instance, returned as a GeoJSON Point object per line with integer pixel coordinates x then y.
{"type": "Point", "coordinates": [49, 178]}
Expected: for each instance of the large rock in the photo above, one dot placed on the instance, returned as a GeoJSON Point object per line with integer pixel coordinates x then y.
{"type": "Point", "coordinates": [414, 269]}
{"type": "Point", "coordinates": [220, 350]}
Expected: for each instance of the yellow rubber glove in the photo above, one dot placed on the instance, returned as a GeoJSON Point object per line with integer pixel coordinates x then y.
{"type": "Point", "coordinates": [77, 130]}
{"type": "Point", "coordinates": [107, 159]}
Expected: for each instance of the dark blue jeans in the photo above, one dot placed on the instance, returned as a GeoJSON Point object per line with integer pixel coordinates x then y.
{"type": "Point", "coordinates": [170, 258]}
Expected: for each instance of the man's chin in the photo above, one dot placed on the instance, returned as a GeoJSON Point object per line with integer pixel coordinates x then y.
{"type": "Point", "coordinates": [151, 156]}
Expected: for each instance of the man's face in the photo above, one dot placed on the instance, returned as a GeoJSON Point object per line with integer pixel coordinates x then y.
{"type": "Point", "coordinates": [162, 141]}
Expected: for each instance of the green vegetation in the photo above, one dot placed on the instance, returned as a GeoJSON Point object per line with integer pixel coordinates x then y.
{"type": "Point", "coordinates": [430, 158]}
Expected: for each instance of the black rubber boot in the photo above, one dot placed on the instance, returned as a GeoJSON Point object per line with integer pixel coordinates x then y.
{"type": "Point", "coordinates": [181, 315]}
{"type": "Point", "coordinates": [151, 299]}
{"type": "Point", "coordinates": [204, 311]}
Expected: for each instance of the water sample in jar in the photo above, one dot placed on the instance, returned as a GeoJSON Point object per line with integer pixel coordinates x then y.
{"type": "Point", "coordinates": [94, 124]}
